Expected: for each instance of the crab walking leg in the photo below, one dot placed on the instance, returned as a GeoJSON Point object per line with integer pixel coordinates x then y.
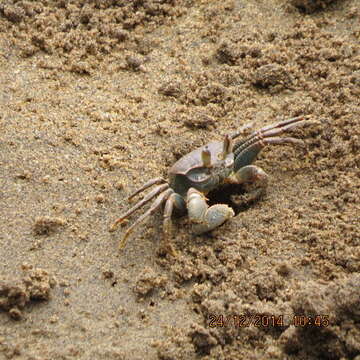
{"type": "Point", "coordinates": [155, 205]}
{"type": "Point", "coordinates": [271, 130]}
{"type": "Point", "coordinates": [174, 200]}
{"type": "Point", "coordinates": [268, 127]}
{"type": "Point", "coordinates": [203, 217]}
{"type": "Point", "coordinates": [151, 182]}
{"type": "Point", "coordinates": [248, 155]}
{"type": "Point", "coordinates": [138, 205]}
{"type": "Point", "coordinates": [251, 174]}
{"type": "Point", "coordinates": [241, 130]}
{"type": "Point", "coordinates": [268, 134]}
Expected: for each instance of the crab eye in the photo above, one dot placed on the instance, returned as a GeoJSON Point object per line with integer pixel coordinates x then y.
{"type": "Point", "coordinates": [229, 161]}
{"type": "Point", "coordinates": [198, 175]}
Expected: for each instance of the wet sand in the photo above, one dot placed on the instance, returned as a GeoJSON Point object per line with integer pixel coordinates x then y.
{"type": "Point", "coordinates": [97, 98]}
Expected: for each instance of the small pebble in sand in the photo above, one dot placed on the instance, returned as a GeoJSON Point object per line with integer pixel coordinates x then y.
{"type": "Point", "coordinates": [134, 62]}
{"type": "Point", "coordinates": [108, 274]}
{"type": "Point", "coordinates": [100, 198]}
{"type": "Point", "coordinates": [119, 186]}
{"type": "Point", "coordinates": [24, 175]}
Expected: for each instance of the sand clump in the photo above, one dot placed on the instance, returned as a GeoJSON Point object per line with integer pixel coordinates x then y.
{"type": "Point", "coordinates": [148, 281]}
{"type": "Point", "coordinates": [46, 225]}
{"type": "Point", "coordinates": [16, 294]}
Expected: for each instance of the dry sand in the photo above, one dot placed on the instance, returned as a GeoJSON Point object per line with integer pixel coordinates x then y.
{"type": "Point", "coordinates": [98, 97]}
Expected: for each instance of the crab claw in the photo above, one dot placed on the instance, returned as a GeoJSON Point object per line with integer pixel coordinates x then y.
{"type": "Point", "coordinates": [203, 217]}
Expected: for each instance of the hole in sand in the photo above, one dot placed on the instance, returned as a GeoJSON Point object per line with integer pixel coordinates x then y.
{"type": "Point", "coordinates": [234, 196]}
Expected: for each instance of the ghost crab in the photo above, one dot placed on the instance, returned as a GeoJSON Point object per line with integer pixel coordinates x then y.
{"type": "Point", "coordinates": [204, 169]}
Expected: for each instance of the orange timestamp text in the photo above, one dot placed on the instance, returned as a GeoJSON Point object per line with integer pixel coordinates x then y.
{"type": "Point", "coordinates": [259, 320]}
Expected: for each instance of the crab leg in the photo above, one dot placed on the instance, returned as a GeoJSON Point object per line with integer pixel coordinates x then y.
{"type": "Point", "coordinates": [155, 205]}
{"type": "Point", "coordinates": [241, 130]}
{"type": "Point", "coordinates": [270, 130]}
{"type": "Point", "coordinates": [151, 182]}
{"type": "Point", "coordinates": [174, 200]}
{"type": "Point", "coordinates": [248, 154]}
{"type": "Point", "coordinates": [138, 205]}
{"type": "Point", "coordinates": [203, 217]}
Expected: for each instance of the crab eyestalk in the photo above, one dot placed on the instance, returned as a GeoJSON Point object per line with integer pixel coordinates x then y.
{"type": "Point", "coordinates": [206, 157]}
{"type": "Point", "coordinates": [227, 147]}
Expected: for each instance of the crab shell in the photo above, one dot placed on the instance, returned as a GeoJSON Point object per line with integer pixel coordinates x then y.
{"type": "Point", "coordinates": [203, 169]}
